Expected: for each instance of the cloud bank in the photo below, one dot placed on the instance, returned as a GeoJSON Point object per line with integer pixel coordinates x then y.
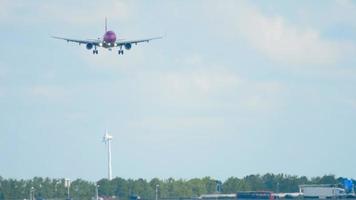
{"type": "Point", "coordinates": [276, 37]}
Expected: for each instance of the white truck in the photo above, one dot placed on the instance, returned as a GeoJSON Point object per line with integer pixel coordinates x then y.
{"type": "Point", "coordinates": [321, 191]}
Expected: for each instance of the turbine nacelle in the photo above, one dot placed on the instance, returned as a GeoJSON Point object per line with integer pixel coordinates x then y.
{"type": "Point", "coordinates": [107, 137]}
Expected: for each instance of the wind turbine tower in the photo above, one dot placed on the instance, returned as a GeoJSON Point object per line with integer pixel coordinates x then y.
{"type": "Point", "coordinates": [107, 139]}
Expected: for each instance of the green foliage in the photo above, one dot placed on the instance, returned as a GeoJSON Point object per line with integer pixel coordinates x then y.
{"type": "Point", "coordinates": [169, 188]}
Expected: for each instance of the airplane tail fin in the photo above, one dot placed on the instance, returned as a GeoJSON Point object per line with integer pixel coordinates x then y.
{"type": "Point", "coordinates": [106, 24]}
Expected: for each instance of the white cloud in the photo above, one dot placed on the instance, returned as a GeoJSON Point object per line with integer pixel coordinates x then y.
{"type": "Point", "coordinates": [77, 116]}
{"type": "Point", "coordinates": [342, 13]}
{"type": "Point", "coordinates": [90, 13]}
{"type": "Point", "coordinates": [347, 5]}
{"type": "Point", "coordinates": [206, 86]}
{"type": "Point", "coordinates": [351, 102]}
{"type": "Point", "coordinates": [276, 37]}
{"type": "Point", "coordinates": [191, 82]}
{"type": "Point", "coordinates": [3, 74]}
{"type": "Point", "coordinates": [286, 43]}
{"type": "Point", "coordinates": [2, 91]}
{"type": "Point", "coordinates": [199, 82]}
{"type": "Point", "coordinates": [70, 13]}
{"type": "Point", "coordinates": [162, 125]}
{"type": "Point", "coordinates": [263, 95]}
{"type": "Point", "coordinates": [2, 70]}
{"type": "Point", "coordinates": [110, 60]}
{"type": "Point", "coordinates": [7, 8]}
{"type": "Point", "coordinates": [49, 92]}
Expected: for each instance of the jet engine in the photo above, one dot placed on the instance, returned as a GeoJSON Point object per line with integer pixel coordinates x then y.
{"type": "Point", "coordinates": [128, 46]}
{"type": "Point", "coordinates": [89, 46]}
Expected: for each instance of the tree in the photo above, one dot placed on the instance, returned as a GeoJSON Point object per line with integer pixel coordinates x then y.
{"type": "Point", "coordinates": [105, 188]}
{"type": "Point", "coordinates": [170, 188]}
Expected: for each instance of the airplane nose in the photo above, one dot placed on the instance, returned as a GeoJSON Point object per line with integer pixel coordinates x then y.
{"type": "Point", "coordinates": [110, 37]}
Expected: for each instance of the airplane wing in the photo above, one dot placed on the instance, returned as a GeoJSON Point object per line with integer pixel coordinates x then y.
{"type": "Point", "coordinates": [94, 42]}
{"type": "Point", "coordinates": [123, 42]}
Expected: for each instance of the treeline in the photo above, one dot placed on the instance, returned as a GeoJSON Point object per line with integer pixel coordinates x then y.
{"type": "Point", "coordinates": [46, 188]}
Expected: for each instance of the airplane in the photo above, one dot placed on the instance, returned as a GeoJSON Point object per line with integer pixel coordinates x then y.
{"type": "Point", "coordinates": [109, 41]}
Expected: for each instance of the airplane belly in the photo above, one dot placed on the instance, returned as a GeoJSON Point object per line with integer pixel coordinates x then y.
{"type": "Point", "coordinates": [107, 45]}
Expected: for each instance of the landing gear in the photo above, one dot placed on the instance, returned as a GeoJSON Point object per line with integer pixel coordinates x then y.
{"type": "Point", "coordinates": [95, 51]}
{"type": "Point", "coordinates": [121, 52]}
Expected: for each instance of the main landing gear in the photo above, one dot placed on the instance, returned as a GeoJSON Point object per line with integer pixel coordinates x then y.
{"type": "Point", "coordinates": [121, 52]}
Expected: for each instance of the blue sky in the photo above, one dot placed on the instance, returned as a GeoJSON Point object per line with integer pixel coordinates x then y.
{"type": "Point", "coordinates": [234, 88]}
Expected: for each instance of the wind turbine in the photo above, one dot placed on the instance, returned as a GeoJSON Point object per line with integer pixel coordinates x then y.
{"type": "Point", "coordinates": [107, 139]}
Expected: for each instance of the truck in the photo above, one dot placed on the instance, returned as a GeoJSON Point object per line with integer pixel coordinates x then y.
{"type": "Point", "coordinates": [323, 191]}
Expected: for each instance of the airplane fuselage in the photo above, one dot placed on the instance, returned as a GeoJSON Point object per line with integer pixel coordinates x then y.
{"type": "Point", "coordinates": [109, 39]}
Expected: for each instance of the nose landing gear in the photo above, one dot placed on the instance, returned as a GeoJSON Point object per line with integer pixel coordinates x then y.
{"type": "Point", "coordinates": [121, 52]}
